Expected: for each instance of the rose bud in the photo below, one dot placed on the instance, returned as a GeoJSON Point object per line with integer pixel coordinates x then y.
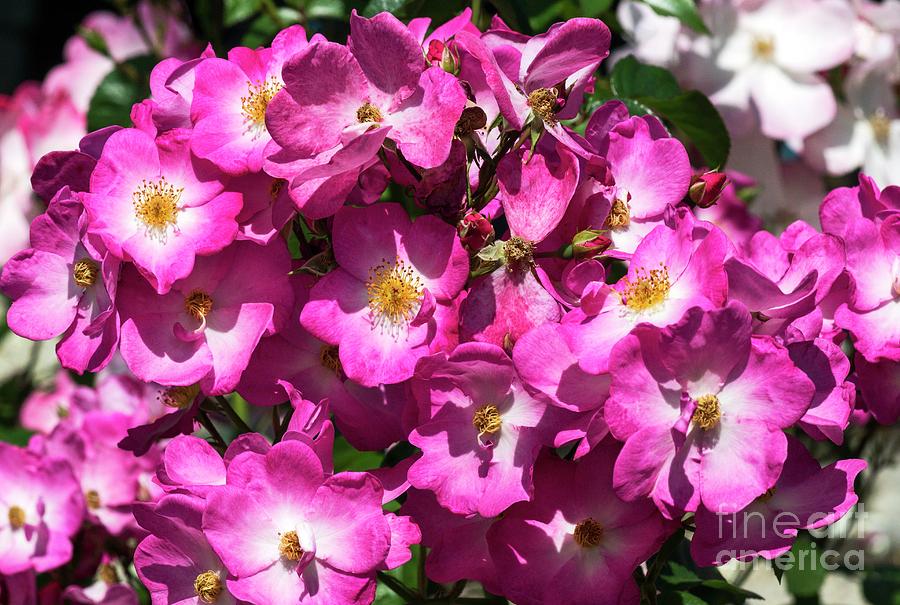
{"type": "Point", "coordinates": [589, 243]}
{"type": "Point", "coordinates": [706, 188]}
{"type": "Point", "coordinates": [475, 231]}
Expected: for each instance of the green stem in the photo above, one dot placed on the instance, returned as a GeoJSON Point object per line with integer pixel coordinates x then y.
{"type": "Point", "coordinates": [205, 421]}
{"type": "Point", "coordinates": [232, 415]}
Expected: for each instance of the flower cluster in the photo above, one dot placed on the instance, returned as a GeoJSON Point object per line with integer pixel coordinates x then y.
{"type": "Point", "coordinates": [580, 340]}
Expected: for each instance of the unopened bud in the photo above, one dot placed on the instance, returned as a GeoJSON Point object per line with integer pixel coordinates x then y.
{"type": "Point", "coordinates": [706, 188]}
{"type": "Point", "coordinates": [473, 118]}
{"type": "Point", "coordinates": [589, 243]}
{"type": "Point", "coordinates": [475, 231]}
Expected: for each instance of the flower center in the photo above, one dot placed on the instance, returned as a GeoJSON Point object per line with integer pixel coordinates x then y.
{"type": "Point", "coordinates": [619, 215]}
{"type": "Point", "coordinates": [328, 355]}
{"type": "Point", "coordinates": [107, 573]}
{"type": "Point", "coordinates": [62, 412]}
{"type": "Point", "coordinates": [881, 127]}
{"type": "Point", "coordinates": [156, 204]}
{"type": "Point", "coordinates": [208, 586]}
{"type": "Point", "coordinates": [588, 533]}
{"type": "Point", "coordinates": [708, 413]}
{"type": "Point", "coordinates": [198, 304]}
{"type": "Point", "coordinates": [179, 397]}
{"type": "Point", "coordinates": [276, 188]}
{"type": "Point", "coordinates": [254, 105]}
{"type": "Point", "coordinates": [648, 290]}
{"type": "Point", "coordinates": [368, 113]}
{"type": "Point", "coordinates": [92, 498]}
{"type": "Point", "coordinates": [16, 517]}
{"type": "Point", "coordinates": [543, 104]}
{"type": "Point", "coordinates": [84, 272]}
{"type": "Point", "coordinates": [395, 292]}
{"type": "Point", "coordinates": [518, 253]}
{"type": "Point", "coordinates": [487, 420]}
{"type": "Point", "coordinates": [763, 47]}
{"type": "Point", "coordinates": [289, 547]}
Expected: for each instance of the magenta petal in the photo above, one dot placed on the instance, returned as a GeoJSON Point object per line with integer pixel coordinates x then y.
{"type": "Point", "coordinates": [536, 189]}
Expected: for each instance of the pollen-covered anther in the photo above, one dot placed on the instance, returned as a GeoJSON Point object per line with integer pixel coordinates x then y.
{"type": "Point", "coordinates": [619, 215]}
{"type": "Point", "coordinates": [487, 420]}
{"type": "Point", "coordinates": [179, 398]}
{"type": "Point", "coordinates": [276, 188]}
{"type": "Point", "coordinates": [588, 533]}
{"type": "Point", "coordinates": [92, 499]}
{"type": "Point", "coordinates": [198, 304]}
{"type": "Point", "coordinates": [255, 103]}
{"type": "Point", "coordinates": [763, 47]}
{"type": "Point", "coordinates": [156, 204]}
{"type": "Point", "coordinates": [708, 413]}
{"type": "Point", "coordinates": [368, 113]}
{"type": "Point", "coordinates": [647, 290]}
{"type": "Point", "coordinates": [328, 355]}
{"type": "Point", "coordinates": [543, 102]}
{"type": "Point", "coordinates": [881, 127]}
{"type": "Point", "coordinates": [208, 586]}
{"type": "Point", "coordinates": [518, 253]}
{"type": "Point", "coordinates": [85, 272]}
{"type": "Point", "coordinates": [289, 546]}
{"type": "Point", "coordinates": [16, 517]}
{"type": "Point", "coordinates": [395, 293]}
{"type": "Point", "coordinates": [108, 574]}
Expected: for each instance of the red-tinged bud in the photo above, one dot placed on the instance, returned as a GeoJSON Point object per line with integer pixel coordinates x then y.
{"type": "Point", "coordinates": [435, 52]}
{"type": "Point", "coordinates": [706, 188]}
{"type": "Point", "coordinates": [475, 231]}
{"type": "Point", "coordinates": [590, 243]}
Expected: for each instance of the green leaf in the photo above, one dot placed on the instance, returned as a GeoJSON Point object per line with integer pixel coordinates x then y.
{"type": "Point", "coordinates": [127, 84]}
{"type": "Point", "coordinates": [805, 576]}
{"type": "Point", "coordinates": [632, 79]}
{"type": "Point", "coordinates": [680, 598]}
{"type": "Point", "coordinates": [723, 586]}
{"type": "Point", "coordinates": [696, 116]}
{"type": "Point", "coordinates": [348, 458]}
{"type": "Point", "coordinates": [678, 575]}
{"type": "Point", "coordinates": [326, 9]}
{"type": "Point", "coordinates": [239, 10]}
{"type": "Point", "coordinates": [378, 6]}
{"type": "Point", "coordinates": [684, 10]}
{"type": "Point", "coordinates": [594, 8]}
{"type": "Point", "coordinates": [264, 28]}
{"type": "Point", "coordinates": [881, 585]}
{"type": "Point", "coordinates": [15, 435]}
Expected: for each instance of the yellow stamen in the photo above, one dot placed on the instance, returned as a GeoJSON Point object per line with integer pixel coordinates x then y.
{"type": "Point", "coordinates": [107, 573]}
{"type": "Point", "coordinates": [156, 205]}
{"type": "Point", "coordinates": [619, 215]}
{"type": "Point", "coordinates": [543, 104]}
{"type": "Point", "coordinates": [368, 113]}
{"type": "Point", "coordinates": [289, 547]}
{"type": "Point", "coordinates": [16, 517]}
{"type": "Point", "coordinates": [198, 304]}
{"type": "Point", "coordinates": [92, 498]}
{"type": "Point", "coordinates": [208, 586]}
{"type": "Point", "coordinates": [881, 127]}
{"type": "Point", "coordinates": [328, 355]}
{"type": "Point", "coordinates": [588, 533]}
{"type": "Point", "coordinates": [84, 272]}
{"type": "Point", "coordinates": [487, 420]}
{"type": "Point", "coordinates": [395, 292]}
{"type": "Point", "coordinates": [763, 47]}
{"type": "Point", "coordinates": [708, 413]}
{"type": "Point", "coordinates": [179, 397]}
{"type": "Point", "coordinates": [254, 105]}
{"type": "Point", "coordinates": [518, 254]}
{"type": "Point", "coordinates": [648, 290]}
